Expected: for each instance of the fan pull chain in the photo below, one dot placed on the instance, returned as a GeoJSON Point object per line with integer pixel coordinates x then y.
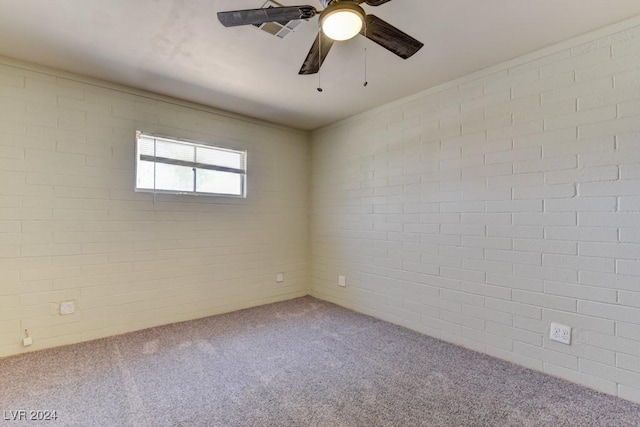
{"type": "Point", "coordinates": [366, 82]}
{"type": "Point", "coordinates": [319, 57]}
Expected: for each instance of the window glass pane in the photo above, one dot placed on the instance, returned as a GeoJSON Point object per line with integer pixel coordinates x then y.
{"type": "Point", "coordinates": [209, 181]}
{"type": "Point", "coordinates": [172, 177]}
{"type": "Point", "coordinates": [175, 167]}
{"type": "Point", "coordinates": [228, 159]}
{"type": "Point", "coordinates": [172, 150]}
{"type": "Point", "coordinates": [144, 175]}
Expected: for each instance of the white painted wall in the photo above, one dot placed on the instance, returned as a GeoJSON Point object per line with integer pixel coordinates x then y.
{"type": "Point", "coordinates": [477, 212]}
{"type": "Point", "coordinates": [483, 210]}
{"type": "Point", "coordinates": [72, 228]}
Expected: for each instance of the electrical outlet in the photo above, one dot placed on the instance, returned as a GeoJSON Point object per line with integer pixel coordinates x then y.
{"type": "Point", "coordinates": [560, 333]}
{"type": "Point", "coordinates": [67, 307]}
{"type": "Point", "coordinates": [280, 277]}
{"type": "Point", "coordinates": [342, 281]}
{"type": "Point", "coordinates": [27, 340]}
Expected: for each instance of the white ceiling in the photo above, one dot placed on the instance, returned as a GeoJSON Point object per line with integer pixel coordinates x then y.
{"type": "Point", "coordinates": [178, 48]}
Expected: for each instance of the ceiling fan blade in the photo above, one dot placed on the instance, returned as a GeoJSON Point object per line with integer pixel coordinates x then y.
{"type": "Point", "coordinates": [376, 2]}
{"type": "Point", "coordinates": [389, 37]}
{"type": "Point", "coordinates": [260, 16]}
{"type": "Point", "coordinates": [317, 54]}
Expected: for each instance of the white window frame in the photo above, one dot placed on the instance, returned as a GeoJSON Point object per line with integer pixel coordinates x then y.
{"type": "Point", "coordinates": [195, 165]}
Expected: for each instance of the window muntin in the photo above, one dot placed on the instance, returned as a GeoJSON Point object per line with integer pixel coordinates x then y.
{"type": "Point", "coordinates": [166, 165]}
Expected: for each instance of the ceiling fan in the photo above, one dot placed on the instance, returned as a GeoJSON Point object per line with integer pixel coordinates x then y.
{"type": "Point", "coordinates": [340, 20]}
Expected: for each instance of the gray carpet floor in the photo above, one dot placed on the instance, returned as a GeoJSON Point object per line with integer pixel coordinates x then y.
{"type": "Point", "coordinates": [298, 363]}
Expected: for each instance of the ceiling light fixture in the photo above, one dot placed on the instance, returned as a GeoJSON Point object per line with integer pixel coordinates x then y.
{"type": "Point", "coordinates": [342, 21]}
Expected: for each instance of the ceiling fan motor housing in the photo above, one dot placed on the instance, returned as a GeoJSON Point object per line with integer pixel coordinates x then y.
{"type": "Point", "coordinates": [327, 3]}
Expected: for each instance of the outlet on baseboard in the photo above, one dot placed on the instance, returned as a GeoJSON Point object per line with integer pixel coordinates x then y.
{"type": "Point", "coordinates": [560, 333]}
{"type": "Point", "coordinates": [280, 277]}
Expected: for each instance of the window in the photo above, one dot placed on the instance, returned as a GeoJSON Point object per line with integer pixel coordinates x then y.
{"type": "Point", "coordinates": [166, 165]}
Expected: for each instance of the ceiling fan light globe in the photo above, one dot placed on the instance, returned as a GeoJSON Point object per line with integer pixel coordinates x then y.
{"type": "Point", "coordinates": [342, 24]}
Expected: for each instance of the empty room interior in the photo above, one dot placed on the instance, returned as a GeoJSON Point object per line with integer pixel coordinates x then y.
{"type": "Point", "coordinates": [342, 213]}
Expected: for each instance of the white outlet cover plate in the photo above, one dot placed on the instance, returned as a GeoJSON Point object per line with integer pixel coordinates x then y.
{"type": "Point", "coordinates": [342, 281]}
{"type": "Point", "coordinates": [280, 277]}
{"type": "Point", "coordinates": [67, 307]}
{"type": "Point", "coordinates": [560, 333]}
{"type": "Point", "coordinates": [27, 341]}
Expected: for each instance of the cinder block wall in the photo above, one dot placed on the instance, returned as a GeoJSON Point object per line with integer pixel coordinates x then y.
{"type": "Point", "coordinates": [72, 227]}
{"type": "Point", "coordinates": [483, 210]}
